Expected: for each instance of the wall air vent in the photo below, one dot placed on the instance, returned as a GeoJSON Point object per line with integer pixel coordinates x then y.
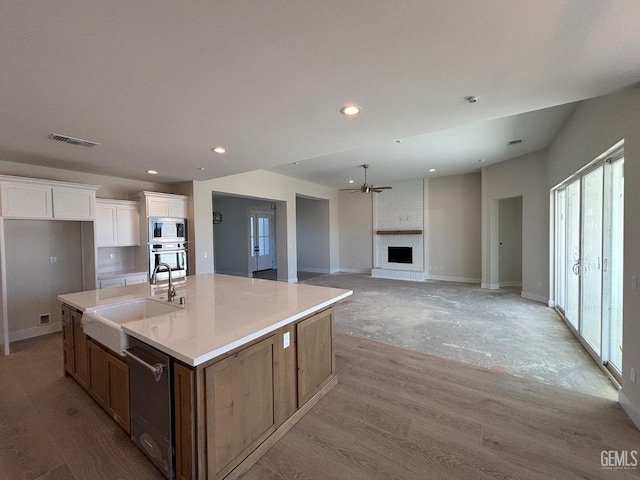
{"type": "Point", "coordinates": [72, 140]}
{"type": "Point", "coordinates": [515, 142]}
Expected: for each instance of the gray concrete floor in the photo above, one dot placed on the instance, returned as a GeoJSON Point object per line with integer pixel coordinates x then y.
{"type": "Point", "coordinates": [495, 329]}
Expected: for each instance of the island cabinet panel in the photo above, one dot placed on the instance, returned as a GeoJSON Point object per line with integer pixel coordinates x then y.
{"type": "Point", "coordinates": [239, 406]}
{"type": "Point", "coordinates": [285, 372]}
{"type": "Point", "coordinates": [67, 341]}
{"type": "Point", "coordinates": [80, 356]}
{"type": "Point", "coordinates": [185, 425]}
{"type": "Point", "coordinates": [109, 382]}
{"type": "Point", "coordinates": [98, 374]}
{"type": "Point", "coordinates": [316, 361]}
{"type": "Point", "coordinates": [119, 402]}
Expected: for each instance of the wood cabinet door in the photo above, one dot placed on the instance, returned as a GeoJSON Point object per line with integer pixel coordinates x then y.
{"type": "Point", "coordinates": [316, 361]}
{"type": "Point", "coordinates": [80, 350]}
{"type": "Point", "coordinates": [184, 423]}
{"type": "Point", "coordinates": [119, 403]}
{"type": "Point", "coordinates": [240, 406]}
{"type": "Point", "coordinates": [98, 373]}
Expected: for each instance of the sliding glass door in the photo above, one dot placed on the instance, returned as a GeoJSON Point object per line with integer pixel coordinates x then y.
{"type": "Point", "coordinates": [589, 245]}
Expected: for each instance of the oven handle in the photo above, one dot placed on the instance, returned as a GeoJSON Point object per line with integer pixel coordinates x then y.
{"type": "Point", "coordinates": [177, 250]}
{"type": "Point", "coordinates": [157, 369]}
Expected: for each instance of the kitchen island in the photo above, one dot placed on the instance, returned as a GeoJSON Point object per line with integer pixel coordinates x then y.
{"type": "Point", "coordinates": [251, 357]}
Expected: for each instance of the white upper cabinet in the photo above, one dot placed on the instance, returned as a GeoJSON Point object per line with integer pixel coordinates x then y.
{"type": "Point", "coordinates": [165, 205]}
{"type": "Point", "coordinates": [21, 200]}
{"type": "Point", "coordinates": [117, 223]}
{"type": "Point", "coordinates": [73, 203]}
{"type": "Point", "coordinates": [44, 199]}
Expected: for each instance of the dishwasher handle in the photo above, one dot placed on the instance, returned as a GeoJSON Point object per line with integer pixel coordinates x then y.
{"type": "Point", "coordinates": [157, 369]}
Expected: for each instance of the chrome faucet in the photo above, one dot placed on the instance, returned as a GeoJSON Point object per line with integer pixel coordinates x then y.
{"type": "Point", "coordinates": [171, 293]}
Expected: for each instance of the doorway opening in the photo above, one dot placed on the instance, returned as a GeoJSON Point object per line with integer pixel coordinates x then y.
{"type": "Point", "coordinates": [245, 235]}
{"type": "Point", "coordinates": [588, 271]}
{"type": "Point", "coordinates": [510, 235]}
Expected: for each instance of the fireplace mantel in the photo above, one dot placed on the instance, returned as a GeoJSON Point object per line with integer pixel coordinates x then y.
{"type": "Point", "coordinates": [399, 232]}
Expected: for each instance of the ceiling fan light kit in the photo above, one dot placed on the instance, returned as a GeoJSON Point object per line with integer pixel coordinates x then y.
{"type": "Point", "coordinates": [366, 188]}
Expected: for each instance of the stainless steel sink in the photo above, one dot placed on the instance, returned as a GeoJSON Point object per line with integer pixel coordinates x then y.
{"type": "Point", "coordinates": [104, 323]}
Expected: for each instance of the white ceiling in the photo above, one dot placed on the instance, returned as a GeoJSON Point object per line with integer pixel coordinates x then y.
{"type": "Point", "coordinates": [159, 83]}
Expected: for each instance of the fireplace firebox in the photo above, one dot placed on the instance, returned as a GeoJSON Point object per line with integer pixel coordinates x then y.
{"type": "Point", "coordinates": [400, 254]}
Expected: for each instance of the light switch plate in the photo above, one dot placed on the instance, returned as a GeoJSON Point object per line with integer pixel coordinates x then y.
{"type": "Point", "coordinates": [286, 341]}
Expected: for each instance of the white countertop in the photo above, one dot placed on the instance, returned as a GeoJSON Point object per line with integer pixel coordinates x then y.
{"type": "Point", "coordinates": [222, 312]}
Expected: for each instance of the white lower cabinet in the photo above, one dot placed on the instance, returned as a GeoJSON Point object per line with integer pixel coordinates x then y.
{"type": "Point", "coordinates": [122, 280]}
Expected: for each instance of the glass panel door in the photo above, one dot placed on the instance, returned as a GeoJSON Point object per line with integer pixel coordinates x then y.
{"type": "Point", "coordinates": [589, 258]}
{"type": "Point", "coordinates": [572, 255]}
{"type": "Point", "coordinates": [614, 264]}
{"type": "Point", "coordinates": [591, 261]}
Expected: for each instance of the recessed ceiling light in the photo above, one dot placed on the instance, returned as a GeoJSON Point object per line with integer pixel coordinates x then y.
{"type": "Point", "coordinates": [152, 172]}
{"type": "Point", "coordinates": [351, 181]}
{"type": "Point", "coordinates": [350, 110]}
{"type": "Point", "coordinates": [472, 99]}
{"type": "Point", "coordinates": [431, 170]}
{"type": "Point", "coordinates": [398, 141]}
{"type": "Point", "coordinates": [482, 160]}
{"type": "Point", "coordinates": [219, 149]}
{"type": "Point", "coordinates": [296, 163]}
{"type": "Point", "coordinates": [200, 168]}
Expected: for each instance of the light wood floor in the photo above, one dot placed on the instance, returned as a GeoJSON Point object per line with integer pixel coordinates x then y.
{"type": "Point", "coordinates": [395, 414]}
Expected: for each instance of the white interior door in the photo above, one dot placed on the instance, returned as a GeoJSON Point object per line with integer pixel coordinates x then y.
{"type": "Point", "coordinates": [262, 241]}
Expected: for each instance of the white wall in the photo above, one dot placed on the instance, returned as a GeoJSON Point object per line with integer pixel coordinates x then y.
{"type": "Point", "coordinates": [524, 176]}
{"type": "Point", "coordinates": [312, 235]}
{"type": "Point", "coordinates": [454, 228]}
{"type": "Point", "coordinates": [356, 232]}
{"type": "Point", "coordinates": [262, 184]}
{"type": "Point", "coordinates": [595, 126]}
{"type": "Point", "coordinates": [510, 236]}
{"type": "Point", "coordinates": [33, 281]}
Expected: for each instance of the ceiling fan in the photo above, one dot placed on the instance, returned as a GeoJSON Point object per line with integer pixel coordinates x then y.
{"type": "Point", "coordinates": [366, 188]}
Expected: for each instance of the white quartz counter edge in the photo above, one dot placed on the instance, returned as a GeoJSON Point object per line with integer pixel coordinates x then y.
{"type": "Point", "coordinates": [194, 362]}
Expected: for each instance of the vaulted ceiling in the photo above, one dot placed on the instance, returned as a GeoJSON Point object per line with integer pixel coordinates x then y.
{"type": "Point", "coordinates": [159, 83]}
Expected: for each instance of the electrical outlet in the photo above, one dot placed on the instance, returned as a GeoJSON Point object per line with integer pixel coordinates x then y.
{"type": "Point", "coordinates": [53, 259]}
{"type": "Point", "coordinates": [632, 374]}
{"type": "Point", "coordinates": [286, 341]}
{"type": "Point", "coordinates": [205, 254]}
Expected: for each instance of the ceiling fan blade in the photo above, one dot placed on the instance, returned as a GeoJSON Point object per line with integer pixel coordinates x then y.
{"type": "Point", "coordinates": [382, 188]}
{"type": "Point", "coordinates": [349, 189]}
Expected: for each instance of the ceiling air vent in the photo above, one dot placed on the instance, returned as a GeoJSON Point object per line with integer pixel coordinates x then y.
{"type": "Point", "coordinates": [72, 140]}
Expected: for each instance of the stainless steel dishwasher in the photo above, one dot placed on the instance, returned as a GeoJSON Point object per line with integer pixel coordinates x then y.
{"type": "Point", "coordinates": [151, 391]}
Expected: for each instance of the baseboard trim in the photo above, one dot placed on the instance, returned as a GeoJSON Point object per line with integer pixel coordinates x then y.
{"type": "Point", "coordinates": [490, 286]}
{"type": "Point", "coordinates": [629, 408]}
{"type": "Point", "coordinates": [535, 298]}
{"type": "Point", "coordinates": [34, 332]}
{"type": "Point", "coordinates": [354, 270]}
{"type": "Point", "coordinates": [446, 278]}
{"type": "Point", "coordinates": [510, 284]}
{"type": "Point", "coordinates": [314, 270]}
{"type": "Point", "coordinates": [413, 276]}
